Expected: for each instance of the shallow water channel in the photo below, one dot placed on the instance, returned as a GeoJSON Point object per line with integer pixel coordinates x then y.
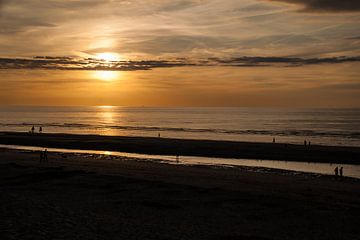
{"type": "Point", "coordinates": [320, 168]}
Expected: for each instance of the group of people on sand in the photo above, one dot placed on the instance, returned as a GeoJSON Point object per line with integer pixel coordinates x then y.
{"type": "Point", "coordinates": [44, 156]}
{"type": "Point", "coordinates": [33, 129]}
{"type": "Point", "coordinates": [338, 172]}
{"type": "Point", "coordinates": [307, 143]}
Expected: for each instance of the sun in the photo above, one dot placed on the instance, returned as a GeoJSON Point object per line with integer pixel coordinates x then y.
{"type": "Point", "coordinates": [108, 56]}
{"type": "Point", "coordinates": [106, 75]}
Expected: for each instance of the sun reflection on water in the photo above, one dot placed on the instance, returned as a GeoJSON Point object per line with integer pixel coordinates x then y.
{"type": "Point", "coordinates": [106, 115]}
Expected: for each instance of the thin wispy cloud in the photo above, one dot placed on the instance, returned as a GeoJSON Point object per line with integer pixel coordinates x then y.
{"type": "Point", "coordinates": [179, 28]}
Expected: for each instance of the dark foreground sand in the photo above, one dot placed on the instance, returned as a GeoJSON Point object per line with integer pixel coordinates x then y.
{"type": "Point", "coordinates": [101, 197]}
{"type": "Point", "coordinates": [187, 147]}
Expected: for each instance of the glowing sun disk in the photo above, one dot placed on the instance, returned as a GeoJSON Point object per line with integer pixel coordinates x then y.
{"type": "Point", "coordinates": [106, 75]}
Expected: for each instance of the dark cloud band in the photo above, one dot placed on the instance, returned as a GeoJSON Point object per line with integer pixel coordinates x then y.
{"type": "Point", "coordinates": [69, 63]}
{"type": "Point", "coordinates": [327, 5]}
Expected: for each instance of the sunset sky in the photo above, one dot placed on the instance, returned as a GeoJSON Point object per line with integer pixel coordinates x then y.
{"type": "Point", "coordinates": [266, 53]}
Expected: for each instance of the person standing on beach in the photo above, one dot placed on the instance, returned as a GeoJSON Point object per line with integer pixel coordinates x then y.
{"type": "Point", "coordinates": [273, 140]}
{"type": "Point", "coordinates": [40, 129]}
{"type": "Point", "coordinates": [341, 172]}
{"type": "Point", "coordinates": [33, 129]}
{"type": "Point", "coordinates": [336, 171]}
{"type": "Point", "coordinates": [304, 142]}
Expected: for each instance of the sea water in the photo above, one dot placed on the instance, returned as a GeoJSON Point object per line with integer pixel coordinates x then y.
{"type": "Point", "coordinates": [286, 125]}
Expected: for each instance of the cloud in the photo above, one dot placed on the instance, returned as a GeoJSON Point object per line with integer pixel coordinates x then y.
{"type": "Point", "coordinates": [169, 29]}
{"type": "Point", "coordinates": [343, 86]}
{"type": "Point", "coordinates": [173, 43]}
{"type": "Point", "coordinates": [178, 5]}
{"type": "Point", "coordinates": [326, 5]}
{"type": "Point", "coordinates": [70, 63]}
{"type": "Point", "coordinates": [284, 61]}
{"type": "Point", "coordinates": [2, 2]}
{"type": "Point", "coordinates": [353, 38]}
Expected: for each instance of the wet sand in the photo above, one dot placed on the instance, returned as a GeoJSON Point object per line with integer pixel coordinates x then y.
{"type": "Point", "coordinates": [187, 147]}
{"type": "Point", "coordinates": [83, 196]}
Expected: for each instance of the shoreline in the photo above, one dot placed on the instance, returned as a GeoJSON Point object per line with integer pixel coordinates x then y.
{"type": "Point", "coordinates": [188, 147]}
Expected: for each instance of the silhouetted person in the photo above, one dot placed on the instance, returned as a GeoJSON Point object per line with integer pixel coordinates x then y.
{"type": "Point", "coordinates": [41, 156]}
{"type": "Point", "coordinates": [45, 156]}
{"type": "Point", "coordinates": [158, 134]}
{"type": "Point", "coordinates": [273, 140]}
{"type": "Point", "coordinates": [32, 129]}
{"type": "Point", "coordinates": [341, 171]}
{"type": "Point", "coordinates": [40, 130]}
{"type": "Point", "coordinates": [336, 171]}
{"type": "Point", "coordinates": [304, 142]}
{"type": "Point", "coordinates": [309, 143]}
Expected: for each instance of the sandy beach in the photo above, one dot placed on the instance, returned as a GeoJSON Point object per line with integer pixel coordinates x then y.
{"type": "Point", "coordinates": [84, 196]}
{"type": "Point", "coordinates": [188, 147]}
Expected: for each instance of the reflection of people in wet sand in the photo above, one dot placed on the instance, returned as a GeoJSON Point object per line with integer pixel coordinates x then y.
{"type": "Point", "coordinates": [43, 156]}
{"type": "Point", "coordinates": [341, 172]}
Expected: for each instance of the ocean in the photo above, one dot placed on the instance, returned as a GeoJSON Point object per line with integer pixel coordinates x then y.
{"type": "Point", "coordinates": [320, 126]}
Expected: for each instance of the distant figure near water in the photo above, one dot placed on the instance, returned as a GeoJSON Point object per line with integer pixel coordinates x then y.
{"type": "Point", "coordinates": [40, 129]}
{"type": "Point", "coordinates": [33, 129]}
{"type": "Point", "coordinates": [305, 142]}
{"type": "Point", "coordinates": [177, 158]}
{"type": "Point", "coordinates": [273, 140]}
{"type": "Point", "coordinates": [44, 156]}
{"type": "Point", "coordinates": [336, 171]}
{"type": "Point", "coordinates": [158, 134]}
{"type": "Point", "coordinates": [341, 172]}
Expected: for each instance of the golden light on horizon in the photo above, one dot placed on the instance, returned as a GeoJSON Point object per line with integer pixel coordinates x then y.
{"type": "Point", "coordinates": [106, 75]}
{"type": "Point", "coordinates": [106, 106]}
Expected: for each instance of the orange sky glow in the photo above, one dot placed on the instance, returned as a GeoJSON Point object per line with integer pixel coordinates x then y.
{"type": "Point", "coordinates": [263, 53]}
